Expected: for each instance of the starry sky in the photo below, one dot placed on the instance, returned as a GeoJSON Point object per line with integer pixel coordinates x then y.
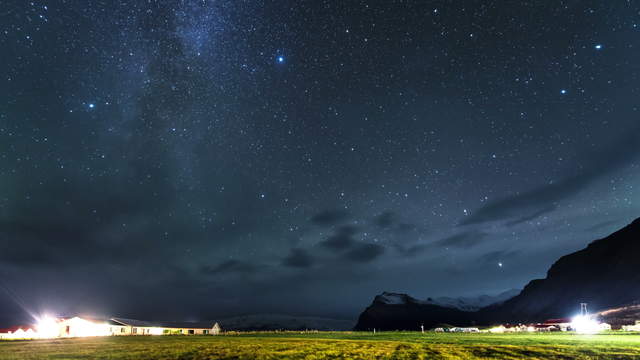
{"type": "Point", "coordinates": [203, 159]}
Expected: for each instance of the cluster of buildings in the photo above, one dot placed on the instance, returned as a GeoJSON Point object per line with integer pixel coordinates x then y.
{"type": "Point", "coordinates": [578, 324]}
{"type": "Point", "coordinates": [458, 329]}
{"type": "Point", "coordinates": [583, 323]}
{"type": "Point", "coordinates": [635, 327]}
{"type": "Point", "coordinates": [547, 326]}
{"type": "Point", "coordinates": [48, 328]}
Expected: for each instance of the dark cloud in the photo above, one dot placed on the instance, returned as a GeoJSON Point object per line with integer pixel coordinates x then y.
{"type": "Point", "coordinates": [411, 250]}
{"type": "Point", "coordinates": [403, 228]}
{"type": "Point", "coordinates": [462, 240]}
{"type": "Point", "coordinates": [231, 266]}
{"type": "Point", "coordinates": [330, 217]}
{"type": "Point", "coordinates": [365, 253]}
{"type": "Point", "coordinates": [349, 230]}
{"type": "Point", "coordinates": [68, 242]}
{"type": "Point", "coordinates": [389, 220]}
{"type": "Point", "coordinates": [298, 258]}
{"type": "Point", "coordinates": [544, 199]}
{"type": "Point", "coordinates": [342, 239]}
{"type": "Point", "coordinates": [499, 256]}
{"type": "Point", "coordinates": [531, 217]}
{"type": "Point", "coordinates": [602, 225]}
{"type": "Point", "coordinates": [385, 220]}
{"type": "Point", "coordinates": [338, 242]}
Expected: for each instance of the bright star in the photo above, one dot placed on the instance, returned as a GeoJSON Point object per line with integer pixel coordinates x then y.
{"type": "Point", "coordinates": [499, 264]}
{"type": "Point", "coordinates": [598, 47]}
{"type": "Point", "coordinates": [92, 105]}
{"type": "Point", "coordinates": [563, 91]}
{"type": "Point", "coordinates": [280, 59]}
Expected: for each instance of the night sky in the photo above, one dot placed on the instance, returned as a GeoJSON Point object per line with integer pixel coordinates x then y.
{"type": "Point", "coordinates": [202, 159]}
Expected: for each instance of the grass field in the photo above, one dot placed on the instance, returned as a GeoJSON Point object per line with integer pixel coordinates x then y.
{"type": "Point", "coordinates": [332, 345]}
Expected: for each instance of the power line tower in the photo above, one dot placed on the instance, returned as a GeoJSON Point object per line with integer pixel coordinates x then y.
{"type": "Point", "coordinates": [583, 309]}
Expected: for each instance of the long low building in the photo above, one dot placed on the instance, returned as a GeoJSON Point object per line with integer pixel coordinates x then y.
{"type": "Point", "coordinates": [139, 327]}
{"type": "Point", "coordinates": [48, 328]}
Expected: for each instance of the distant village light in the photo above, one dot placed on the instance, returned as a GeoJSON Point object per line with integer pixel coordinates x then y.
{"type": "Point", "coordinates": [583, 324]}
{"type": "Point", "coordinates": [47, 327]}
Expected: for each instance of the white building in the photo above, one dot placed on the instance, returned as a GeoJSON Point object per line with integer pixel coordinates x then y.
{"type": "Point", "coordinates": [18, 333]}
{"type": "Point", "coordinates": [84, 327]}
{"type": "Point", "coordinates": [139, 327]}
{"type": "Point", "coordinates": [464, 330]}
{"type": "Point", "coordinates": [635, 327]}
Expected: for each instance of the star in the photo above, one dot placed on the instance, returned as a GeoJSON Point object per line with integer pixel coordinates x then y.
{"type": "Point", "coordinates": [280, 59]}
{"type": "Point", "coordinates": [598, 47]}
{"type": "Point", "coordinates": [563, 92]}
{"type": "Point", "coordinates": [92, 105]}
{"type": "Point", "coordinates": [499, 264]}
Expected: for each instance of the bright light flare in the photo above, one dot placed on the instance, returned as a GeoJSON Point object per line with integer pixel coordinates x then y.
{"type": "Point", "coordinates": [583, 324]}
{"type": "Point", "coordinates": [83, 328]}
{"type": "Point", "coordinates": [47, 327]}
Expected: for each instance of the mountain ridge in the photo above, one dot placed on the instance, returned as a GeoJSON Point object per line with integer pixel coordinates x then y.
{"type": "Point", "coordinates": [464, 303]}
{"type": "Point", "coordinates": [603, 274]}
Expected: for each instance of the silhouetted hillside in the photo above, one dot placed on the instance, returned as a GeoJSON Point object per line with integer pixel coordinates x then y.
{"type": "Point", "coordinates": [605, 275]}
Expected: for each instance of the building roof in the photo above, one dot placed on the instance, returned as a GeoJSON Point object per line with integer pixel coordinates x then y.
{"type": "Point", "coordinates": [92, 319]}
{"type": "Point", "coordinates": [558, 321]}
{"type": "Point", "coordinates": [16, 328]}
{"type": "Point", "coordinates": [166, 324]}
{"type": "Point", "coordinates": [543, 326]}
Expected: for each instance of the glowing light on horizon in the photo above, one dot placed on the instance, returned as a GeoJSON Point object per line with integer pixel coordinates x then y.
{"type": "Point", "coordinates": [83, 328]}
{"type": "Point", "coordinates": [583, 324]}
{"type": "Point", "coordinates": [156, 331]}
{"type": "Point", "coordinates": [47, 327]}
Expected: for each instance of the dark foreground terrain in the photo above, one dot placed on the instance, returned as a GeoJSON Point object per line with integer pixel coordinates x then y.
{"type": "Point", "coordinates": [345, 345]}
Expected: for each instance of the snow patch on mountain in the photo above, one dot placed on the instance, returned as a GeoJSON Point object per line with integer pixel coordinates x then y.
{"type": "Point", "coordinates": [462, 303]}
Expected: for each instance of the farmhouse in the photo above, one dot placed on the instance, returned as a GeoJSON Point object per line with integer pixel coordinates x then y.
{"type": "Point", "coordinates": [84, 326]}
{"type": "Point", "coordinates": [139, 327]}
{"type": "Point", "coordinates": [18, 332]}
{"type": "Point", "coordinates": [635, 327]}
{"type": "Point", "coordinates": [563, 324]}
{"type": "Point", "coordinates": [464, 330]}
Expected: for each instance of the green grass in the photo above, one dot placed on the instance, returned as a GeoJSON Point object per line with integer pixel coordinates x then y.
{"type": "Point", "coordinates": [332, 345]}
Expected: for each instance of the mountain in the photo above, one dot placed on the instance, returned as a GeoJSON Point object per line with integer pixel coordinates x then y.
{"type": "Point", "coordinates": [462, 303]}
{"type": "Point", "coordinates": [266, 322]}
{"type": "Point", "coordinates": [604, 275]}
{"type": "Point", "coordinates": [392, 311]}
{"type": "Point", "coordinates": [624, 315]}
{"type": "Point", "coordinates": [474, 303]}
